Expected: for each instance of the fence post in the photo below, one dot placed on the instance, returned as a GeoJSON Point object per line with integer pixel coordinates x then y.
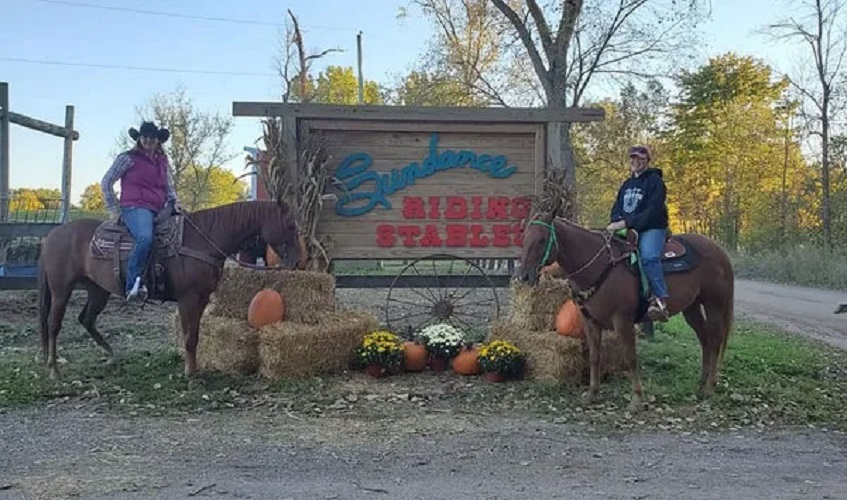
{"type": "Point", "coordinates": [4, 152]}
{"type": "Point", "coordinates": [67, 160]}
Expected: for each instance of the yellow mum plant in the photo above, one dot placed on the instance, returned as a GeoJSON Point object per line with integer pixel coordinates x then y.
{"type": "Point", "coordinates": [380, 348]}
{"type": "Point", "coordinates": [500, 356]}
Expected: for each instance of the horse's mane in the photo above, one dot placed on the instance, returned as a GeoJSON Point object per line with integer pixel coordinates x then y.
{"type": "Point", "coordinates": [230, 216]}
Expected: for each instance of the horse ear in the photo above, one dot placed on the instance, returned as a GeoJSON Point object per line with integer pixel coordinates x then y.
{"type": "Point", "coordinates": [557, 208]}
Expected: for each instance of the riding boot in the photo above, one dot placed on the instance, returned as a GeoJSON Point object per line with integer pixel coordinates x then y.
{"type": "Point", "coordinates": [658, 310]}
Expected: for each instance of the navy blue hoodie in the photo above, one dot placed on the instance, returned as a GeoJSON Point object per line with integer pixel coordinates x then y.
{"type": "Point", "coordinates": [641, 202]}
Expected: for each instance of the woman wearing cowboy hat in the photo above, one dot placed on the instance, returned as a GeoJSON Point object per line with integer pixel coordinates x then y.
{"type": "Point", "coordinates": [146, 188]}
{"type": "Point", "coordinates": [641, 205]}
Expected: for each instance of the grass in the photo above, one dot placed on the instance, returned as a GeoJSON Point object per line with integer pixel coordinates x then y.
{"type": "Point", "coordinates": [799, 266]}
{"type": "Point", "coordinates": [769, 379]}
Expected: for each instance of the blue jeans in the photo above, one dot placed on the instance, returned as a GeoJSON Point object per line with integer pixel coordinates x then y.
{"type": "Point", "coordinates": [139, 221]}
{"type": "Point", "coordinates": [650, 245]}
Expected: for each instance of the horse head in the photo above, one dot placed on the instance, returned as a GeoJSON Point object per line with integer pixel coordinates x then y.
{"type": "Point", "coordinates": [279, 230]}
{"type": "Point", "coordinates": [540, 246]}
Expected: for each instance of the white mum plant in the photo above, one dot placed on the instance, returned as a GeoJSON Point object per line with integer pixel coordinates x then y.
{"type": "Point", "coordinates": [443, 339]}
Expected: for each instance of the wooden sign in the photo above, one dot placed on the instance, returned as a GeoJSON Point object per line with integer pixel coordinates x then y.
{"type": "Point", "coordinates": [428, 180]}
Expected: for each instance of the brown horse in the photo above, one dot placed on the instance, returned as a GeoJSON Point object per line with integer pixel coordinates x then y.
{"type": "Point", "coordinates": [607, 291]}
{"type": "Point", "coordinates": [190, 275]}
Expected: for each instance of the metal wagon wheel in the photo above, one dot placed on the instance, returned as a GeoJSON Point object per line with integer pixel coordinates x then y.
{"type": "Point", "coordinates": [442, 289]}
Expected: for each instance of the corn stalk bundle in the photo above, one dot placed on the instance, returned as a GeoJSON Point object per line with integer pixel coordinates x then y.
{"type": "Point", "coordinates": [300, 185]}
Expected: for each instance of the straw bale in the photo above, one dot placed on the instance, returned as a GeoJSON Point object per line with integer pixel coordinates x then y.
{"type": "Point", "coordinates": [308, 295]}
{"type": "Point", "coordinates": [558, 358]}
{"type": "Point", "coordinates": [535, 308]}
{"type": "Point", "coordinates": [225, 345]}
{"type": "Point", "coordinates": [289, 349]}
{"type": "Point", "coordinates": [549, 356]}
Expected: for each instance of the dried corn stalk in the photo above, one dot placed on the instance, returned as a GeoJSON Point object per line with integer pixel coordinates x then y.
{"type": "Point", "coordinates": [300, 185]}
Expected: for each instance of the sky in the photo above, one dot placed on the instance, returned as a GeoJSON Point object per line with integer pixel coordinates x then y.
{"type": "Point", "coordinates": [217, 63]}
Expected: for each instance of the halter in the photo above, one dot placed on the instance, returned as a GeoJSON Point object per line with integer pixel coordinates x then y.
{"type": "Point", "coordinates": [227, 257]}
{"type": "Point", "coordinates": [582, 296]}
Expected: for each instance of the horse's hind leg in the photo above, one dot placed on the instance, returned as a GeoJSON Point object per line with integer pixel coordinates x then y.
{"type": "Point", "coordinates": [58, 304]}
{"type": "Point", "coordinates": [707, 326]}
{"type": "Point", "coordinates": [97, 300]}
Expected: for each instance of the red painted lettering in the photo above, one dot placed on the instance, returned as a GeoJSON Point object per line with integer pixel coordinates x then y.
{"type": "Point", "coordinates": [457, 208]}
{"type": "Point", "coordinates": [434, 203]}
{"type": "Point", "coordinates": [457, 235]}
{"type": "Point", "coordinates": [409, 233]}
{"type": "Point", "coordinates": [518, 230]}
{"type": "Point", "coordinates": [498, 208]}
{"type": "Point", "coordinates": [476, 212]}
{"type": "Point", "coordinates": [430, 237]}
{"type": "Point", "coordinates": [501, 235]}
{"type": "Point", "coordinates": [477, 240]}
{"type": "Point", "coordinates": [385, 236]}
{"type": "Point", "coordinates": [413, 207]}
{"type": "Point", "coordinates": [521, 208]}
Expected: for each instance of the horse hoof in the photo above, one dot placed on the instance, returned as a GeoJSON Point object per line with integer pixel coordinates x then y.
{"type": "Point", "coordinates": [54, 374]}
{"type": "Point", "coordinates": [635, 406]}
{"type": "Point", "coordinates": [591, 398]}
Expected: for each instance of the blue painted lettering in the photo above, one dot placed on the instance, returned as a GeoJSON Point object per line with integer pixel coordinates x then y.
{"type": "Point", "coordinates": [354, 172]}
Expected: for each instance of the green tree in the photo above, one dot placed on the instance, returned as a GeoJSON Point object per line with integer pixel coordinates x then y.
{"type": "Point", "coordinates": [339, 85]}
{"type": "Point", "coordinates": [211, 187]}
{"type": "Point", "coordinates": [728, 150]}
{"type": "Point", "coordinates": [25, 200]}
{"type": "Point", "coordinates": [421, 88]}
{"type": "Point", "coordinates": [92, 198]}
{"type": "Point", "coordinates": [565, 46]}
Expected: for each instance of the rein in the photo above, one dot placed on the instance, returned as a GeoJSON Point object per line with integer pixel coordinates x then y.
{"type": "Point", "coordinates": [223, 254]}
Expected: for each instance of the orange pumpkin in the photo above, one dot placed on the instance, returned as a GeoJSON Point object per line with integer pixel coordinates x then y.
{"type": "Point", "coordinates": [271, 258]}
{"type": "Point", "coordinates": [267, 307]}
{"type": "Point", "coordinates": [414, 356]}
{"type": "Point", "coordinates": [569, 320]}
{"type": "Point", "coordinates": [467, 361]}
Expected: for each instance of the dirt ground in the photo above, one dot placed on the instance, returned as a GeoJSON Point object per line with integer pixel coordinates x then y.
{"type": "Point", "coordinates": [80, 450]}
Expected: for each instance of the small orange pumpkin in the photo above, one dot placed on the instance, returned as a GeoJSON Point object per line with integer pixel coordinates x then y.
{"type": "Point", "coordinates": [414, 356]}
{"type": "Point", "coordinates": [271, 258]}
{"type": "Point", "coordinates": [569, 320]}
{"type": "Point", "coordinates": [267, 307]}
{"type": "Point", "coordinates": [467, 361]}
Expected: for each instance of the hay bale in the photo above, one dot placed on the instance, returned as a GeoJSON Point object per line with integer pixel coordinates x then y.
{"type": "Point", "coordinates": [535, 308]}
{"type": "Point", "coordinates": [289, 349]}
{"type": "Point", "coordinates": [308, 295]}
{"type": "Point", "coordinates": [225, 345]}
{"type": "Point", "coordinates": [549, 356]}
{"type": "Point", "coordinates": [557, 358]}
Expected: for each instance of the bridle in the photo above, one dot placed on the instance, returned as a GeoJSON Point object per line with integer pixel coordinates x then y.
{"type": "Point", "coordinates": [582, 296]}
{"type": "Point", "coordinates": [223, 255]}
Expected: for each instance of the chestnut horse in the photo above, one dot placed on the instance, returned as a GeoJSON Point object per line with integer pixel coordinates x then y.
{"type": "Point", "coordinates": [190, 276]}
{"type": "Point", "coordinates": [607, 291]}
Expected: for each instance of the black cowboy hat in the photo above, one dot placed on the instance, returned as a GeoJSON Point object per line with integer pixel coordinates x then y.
{"type": "Point", "coordinates": [150, 129]}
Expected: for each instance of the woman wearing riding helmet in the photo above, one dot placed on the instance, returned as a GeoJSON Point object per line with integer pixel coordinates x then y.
{"type": "Point", "coordinates": [146, 188]}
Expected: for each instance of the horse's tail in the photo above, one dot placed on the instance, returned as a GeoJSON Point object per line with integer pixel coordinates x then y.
{"type": "Point", "coordinates": [728, 314]}
{"type": "Point", "coordinates": [44, 302]}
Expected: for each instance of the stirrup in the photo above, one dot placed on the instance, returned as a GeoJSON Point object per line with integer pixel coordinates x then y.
{"type": "Point", "coordinates": [658, 311]}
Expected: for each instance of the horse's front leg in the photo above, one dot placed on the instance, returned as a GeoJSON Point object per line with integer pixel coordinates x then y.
{"type": "Point", "coordinates": [626, 331]}
{"type": "Point", "coordinates": [593, 337]}
{"type": "Point", "coordinates": [191, 309]}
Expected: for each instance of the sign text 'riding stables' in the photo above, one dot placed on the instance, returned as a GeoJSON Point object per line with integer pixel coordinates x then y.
{"type": "Point", "coordinates": [491, 222]}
